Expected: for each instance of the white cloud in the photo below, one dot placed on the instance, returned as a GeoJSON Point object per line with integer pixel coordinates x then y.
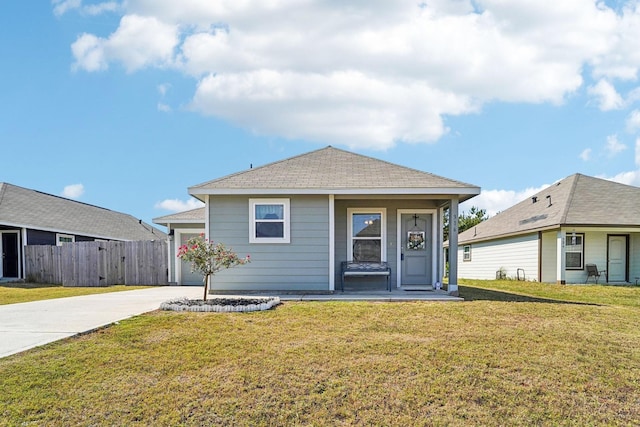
{"type": "Point", "coordinates": [614, 146]}
{"type": "Point", "coordinates": [606, 96]}
{"type": "Point", "coordinates": [163, 88]}
{"type": "Point", "coordinates": [60, 7]}
{"type": "Point", "coordinates": [163, 107]}
{"type": "Point", "coordinates": [73, 191]}
{"type": "Point", "coordinates": [177, 205]}
{"type": "Point", "coordinates": [97, 9]}
{"type": "Point", "coordinates": [494, 201]}
{"type": "Point", "coordinates": [371, 74]}
{"type": "Point", "coordinates": [633, 121]}
{"type": "Point", "coordinates": [138, 42]}
{"type": "Point", "coordinates": [629, 178]}
{"type": "Point", "coordinates": [638, 152]}
{"type": "Point", "coordinates": [586, 154]}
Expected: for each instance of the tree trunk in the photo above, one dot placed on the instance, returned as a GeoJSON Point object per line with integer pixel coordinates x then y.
{"type": "Point", "coordinates": [206, 283]}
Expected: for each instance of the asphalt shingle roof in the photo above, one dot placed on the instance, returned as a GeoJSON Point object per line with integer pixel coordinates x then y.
{"type": "Point", "coordinates": [577, 200]}
{"type": "Point", "coordinates": [333, 170]}
{"type": "Point", "coordinates": [191, 216]}
{"type": "Point", "coordinates": [22, 207]}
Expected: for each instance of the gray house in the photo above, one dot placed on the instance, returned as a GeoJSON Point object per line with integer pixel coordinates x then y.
{"type": "Point", "coordinates": [302, 217]}
{"type": "Point", "coordinates": [30, 217]}
{"type": "Point", "coordinates": [554, 235]}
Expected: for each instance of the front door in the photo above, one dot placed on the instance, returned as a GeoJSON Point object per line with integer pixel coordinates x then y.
{"type": "Point", "coordinates": [10, 255]}
{"type": "Point", "coordinates": [617, 265]}
{"type": "Point", "coordinates": [416, 249]}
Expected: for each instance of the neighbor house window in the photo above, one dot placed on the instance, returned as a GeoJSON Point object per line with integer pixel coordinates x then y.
{"type": "Point", "coordinates": [466, 253]}
{"type": "Point", "coordinates": [367, 235]}
{"type": "Point", "coordinates": [269, 221]}
{"type": "Point", "coordinates": [64, 238]}
{"type": "Point", "coordinates": [574, 251]}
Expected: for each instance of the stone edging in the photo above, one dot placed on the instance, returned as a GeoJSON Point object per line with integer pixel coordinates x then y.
{"type": "Point", "coordinates": [221, 305]}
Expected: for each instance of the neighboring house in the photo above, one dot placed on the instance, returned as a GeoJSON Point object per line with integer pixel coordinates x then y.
{"type": "Point", "coordinates": [181, 227]}
{"type": "Point", "coordinates": [301, 217]}
{"type": "Point", "coordinates": [29, 217]}
{"type": "Point", "coordinates": [552, 236]}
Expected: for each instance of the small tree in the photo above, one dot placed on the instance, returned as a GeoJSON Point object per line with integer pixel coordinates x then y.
{"type": "Point", "coordinates": [208, 257]}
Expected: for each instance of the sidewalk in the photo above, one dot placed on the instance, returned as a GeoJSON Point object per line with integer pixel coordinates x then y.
{"type": "Point", "coordinates": [31, 324]}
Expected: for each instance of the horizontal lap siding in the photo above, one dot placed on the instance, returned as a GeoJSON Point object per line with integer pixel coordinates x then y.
{"type": "Point", "coordinates": [301, 265]}
{"type": "Point", "coordinates": [549, 257]}
{"type": "Point", "coordinates": [510, 254]}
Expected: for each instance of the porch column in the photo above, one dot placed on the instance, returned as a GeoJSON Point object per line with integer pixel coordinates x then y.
{"type": "Point", "coordinates": [453, 247]}
{"type": "Point", "coordinates": [332, 242]}
{"type": "Point", "coordinates": [561, 260]}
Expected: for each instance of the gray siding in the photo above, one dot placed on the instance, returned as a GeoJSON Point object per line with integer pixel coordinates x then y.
{"type": "Point", "coordinates": [301, 265]}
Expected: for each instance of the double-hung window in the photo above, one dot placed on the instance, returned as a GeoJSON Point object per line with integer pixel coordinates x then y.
{"type": "Point", "coordinates": [466, 253]}
{"type": "Point", "coordinates": [574, 251]}
{"type": "Point", "coordinates": [367, 235]}
{"type": "Point", "coordinates": [269, 221]}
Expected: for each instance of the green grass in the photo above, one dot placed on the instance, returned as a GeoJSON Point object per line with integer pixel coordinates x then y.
{"type": "Point", "coordinates": [11, 293]}
{"type": "Point", "coordinates": [536, 355]}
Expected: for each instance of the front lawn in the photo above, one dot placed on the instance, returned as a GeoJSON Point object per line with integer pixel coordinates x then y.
{"type": "Point", "coordinates": [507, 357]}
{"type": "Point", "coordinates": [11, 293]}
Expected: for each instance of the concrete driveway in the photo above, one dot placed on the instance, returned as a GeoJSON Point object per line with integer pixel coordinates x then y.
{"type": "Point", "coordinates": [31, 324]}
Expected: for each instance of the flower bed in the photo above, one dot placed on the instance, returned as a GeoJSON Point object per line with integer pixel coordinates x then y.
{"type": "Point", "coordinates": [221, 304]}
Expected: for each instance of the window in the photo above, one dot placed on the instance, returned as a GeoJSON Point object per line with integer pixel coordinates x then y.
{"type": "Point", "coordinates": [466, 253]}
{"type": "Point", "coordinates": [64, 238]}
{"type": "Point", "coordinates": [574, 251]}
{"type": "Point", "coordinates": [269, 221]}
{"type": "Point", "coordinates": [367, 235]}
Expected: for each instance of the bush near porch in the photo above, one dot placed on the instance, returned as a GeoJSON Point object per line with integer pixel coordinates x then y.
{"type": "Point", "coordinates": [536, 355]}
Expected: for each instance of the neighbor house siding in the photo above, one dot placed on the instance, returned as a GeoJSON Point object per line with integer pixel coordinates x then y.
{"type": "Point", "coordinates": [549, 257]}
{"type": "Point", "coordinates": [302, 264]}
{"type": "Point", "coordinates": [509, 254]}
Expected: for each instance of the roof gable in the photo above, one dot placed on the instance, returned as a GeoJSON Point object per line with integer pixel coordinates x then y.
{"type": "Point", "coordinates": [193, 216]}
{"type": "Point", "coordinates": [331, 170]}
{"type": "Point", "coordinates": [22, 207]}
{"type": "Point", "coordinates": [578, 200]}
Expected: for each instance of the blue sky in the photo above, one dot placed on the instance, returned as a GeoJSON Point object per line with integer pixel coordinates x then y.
{"type": "Point", "coordinates": [126, 104]}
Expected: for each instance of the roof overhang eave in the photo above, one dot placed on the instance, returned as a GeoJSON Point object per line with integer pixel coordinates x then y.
{"type": "Point", "coordinates": [463, 193]}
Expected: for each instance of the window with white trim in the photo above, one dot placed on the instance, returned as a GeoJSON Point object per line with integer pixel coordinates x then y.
{"type": "Point", "coordinates": [466, 253]}
{"type": "Point", "coordinates": [574, 251]}
{"type": "Point", "coordinates": [64, 238]}
{"type": "Point", "coordinates": [269, 221]}
{"type": "Point", "coordinates": [367, 235]}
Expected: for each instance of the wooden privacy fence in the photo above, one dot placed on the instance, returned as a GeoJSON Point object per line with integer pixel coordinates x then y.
{"type": "Point", "coordinates": [98, 263]}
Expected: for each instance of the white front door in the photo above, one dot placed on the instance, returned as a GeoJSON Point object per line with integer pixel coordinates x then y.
{"type": "Point", "coordinates": [617, 265]}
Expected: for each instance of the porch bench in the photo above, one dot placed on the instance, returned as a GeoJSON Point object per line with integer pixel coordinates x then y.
{"type": "Point", "coordinates": [360, 268]}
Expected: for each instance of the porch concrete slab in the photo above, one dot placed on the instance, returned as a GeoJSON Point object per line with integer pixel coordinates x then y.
{"type": "Point", "coordinates": [31, 324]}
{"type": "Point", "coordinates": [383, 296]}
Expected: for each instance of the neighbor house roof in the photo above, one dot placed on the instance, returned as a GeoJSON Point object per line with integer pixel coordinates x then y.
{"type": "Point", "coordinates": [334, 171]}
{"type": "Point", "coordinates": [193, 216]}
{"type": "Point", "coordinates": [577, 200]}
{"type": "Point", "coordinates": [25, 208]}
